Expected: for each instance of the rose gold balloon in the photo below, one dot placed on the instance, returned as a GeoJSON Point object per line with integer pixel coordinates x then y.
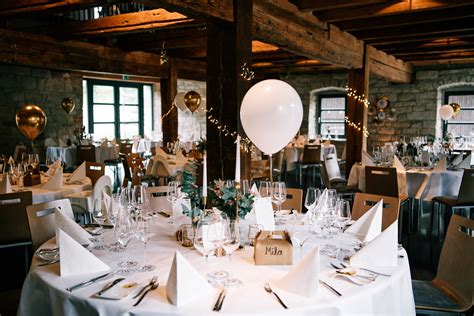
{"type": "Point", "coordinates": [68, 105]}
{"type": "Point", "coordinates": [457, 109]}
{"type": "Point", "coordinates": [31, 120]}
{"type": "Point", "coordinates": [192, 99]}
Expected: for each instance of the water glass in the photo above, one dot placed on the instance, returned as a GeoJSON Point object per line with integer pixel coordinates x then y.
{"type": "Point", "coordinates": [145, 230]}
{"type": "Point", "coordinates": [265, 189]}
{"type": "Point", "coordinates": [278, 194]}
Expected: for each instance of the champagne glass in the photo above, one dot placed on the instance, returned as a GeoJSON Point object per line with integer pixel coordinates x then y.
{"type": "Point", "coordinates": [144, 232]}
{"type": "Point", "coordinates": [265, 189]}
{"type": "Point", "coordinates": [100, 216]}
{"type": "Point", "coordinates": [124, 233]}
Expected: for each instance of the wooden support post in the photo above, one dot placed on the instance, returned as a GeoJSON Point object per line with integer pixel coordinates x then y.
{"type": "Point", "coordinates": [229, 45]}
{"type": "Point", "coordinates": [358, 79]}
{"type": "Point", "coordinates": [168, 88]}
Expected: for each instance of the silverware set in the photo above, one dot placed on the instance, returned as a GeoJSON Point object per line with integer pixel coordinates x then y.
{"type": "Point", "coordinates": [153, 285]}
{"type": "Point", "coordinates": [220, 300]}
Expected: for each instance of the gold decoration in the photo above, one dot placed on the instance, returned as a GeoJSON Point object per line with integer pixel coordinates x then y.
{"type": "Point", "coordinates": [31, 120]}
{"type": "Point", "coordinates": [68, 105]}
{"type": "Point", "coordinates": [457, 109]}
{"type": "Point", "coordinates": [192, 99]}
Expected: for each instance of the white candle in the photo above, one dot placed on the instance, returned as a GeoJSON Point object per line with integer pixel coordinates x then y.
{"type": "Point", "coordinates": [204, 176]}
{"type": "Point", "coordinates": [237, 160]}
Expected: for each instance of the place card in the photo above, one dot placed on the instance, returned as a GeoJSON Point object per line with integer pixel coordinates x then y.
{"type": "Point", "coordinates": [264, 213]}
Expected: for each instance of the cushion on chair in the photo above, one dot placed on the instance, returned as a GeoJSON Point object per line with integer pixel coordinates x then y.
{"type": "Point", "coordinates": [429, 297]}
{"type": "Point", "coordinates": [447, 200]}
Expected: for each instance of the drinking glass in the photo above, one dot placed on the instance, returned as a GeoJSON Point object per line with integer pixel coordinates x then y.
{"type": "Point", "coordinates": [343, 219]}
{"type": "Point", "coordinates": [265, 189]}
{"type": "Point", "coordinates": [145, 230]}
{"type": "Point", "coordinates": [100, 216]}
{"type": "Point", "coordinates": [229, 183]}
{"type": "Point", "coordinates": [278, 194]}
{"type": "Point", "coordinates": [312, 197]}
{"type": "Point", "coordinates": [244, 186]}
{"type": "Point", "coordinates": [254, 229]}
{"type": "Point", "coordinates": [173, 193]}
{"type": "Point", "coordinates": [231, 237]}
{"type": "Point", "coordinates": [124, 232]}
{"type": "Point", "coordinates": [201, 240]}
{"type": "Point", "coordinates": [19, 172]}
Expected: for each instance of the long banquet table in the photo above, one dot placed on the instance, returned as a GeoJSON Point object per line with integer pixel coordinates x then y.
{"type": "Point", "coordinates": [44, 290]}
{"type": "Point", "coordinates": [68, 154]}
{"type": "Point", "coordinates": [419, 183]}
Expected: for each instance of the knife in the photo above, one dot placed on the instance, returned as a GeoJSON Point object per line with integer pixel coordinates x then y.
{"type": "Point", "coordinates": [109, 286]}
{"type": "Point", "coordinates": [330, 288]}
{"type": "Point", "coordinates": [216, 305]}
{"type": "Point", "coordinates": [86, 283]}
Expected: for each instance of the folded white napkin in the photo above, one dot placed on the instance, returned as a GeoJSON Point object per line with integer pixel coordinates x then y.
{"type": "Point", "coordinates": [380, 252]}
{"type": "Point", "coordinates": [254, 191]}
{"type": "Point", "coordinates": [74, 259]}
{"type": "Point", "coordinates": [185, 284]}
{"type": "Point", "coordinates": [104, 143]}
{"type": "Point", "coordinates": [53, 167]}
{"type": "Point", "coordinates": [79, 174]}
{"type": "Point", "coordinates": [398, 164]}
{"type": "Point", "coordinates": [180, 157]}
{"type": "Point", "coordinates": [366, 159]}
{"type": "Point", "coordinates": [319, 208]}
{"type": "Point", "coordinates": [457, 160]}
{"type": "Point", "coordinates": [5, 186]}
{"type": "Point", "coordinates": [369, 225]}
{"type": "Point", "coordinates": [304, 278]}
{"type": "Point", "coordinates": [49, 142]}
{"type": "Point", "coordinates": [441, 165]}
{"type": "Point", "coordinates": [109, 206]}
{"type": "Point", "coordinates": [178, 206]}
{"type": "Point", "coordinates": [61, 143]}
{"type": "Point", "coordinates": [11, 160]}
{"type": "Point", "coordinates": [160, 152]}
{"type": "Point", "coordinates": [55, 182]}
{"type": "Point", "coordinates": [264, 213]}
{"type": "Point", "coordinates": [70, 227]}
{"type": "Point", "coordinates": [466, 163]}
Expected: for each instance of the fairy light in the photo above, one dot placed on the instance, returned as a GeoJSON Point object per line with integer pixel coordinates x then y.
{"type": "Point", "coordinates": [352, 93]}
{"type": "Point", "coordinates": [357, 126]}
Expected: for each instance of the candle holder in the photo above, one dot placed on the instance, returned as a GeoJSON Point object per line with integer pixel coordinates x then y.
{"type": "Point", "coordinates": [237, 198]}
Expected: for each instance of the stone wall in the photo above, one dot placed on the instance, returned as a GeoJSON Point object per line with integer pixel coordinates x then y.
{"type": "Point", "coordinates": [45, 88]}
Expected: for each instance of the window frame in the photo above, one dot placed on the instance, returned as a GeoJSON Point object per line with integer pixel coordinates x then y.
{"type": "Point", "coordinates": [116, 87]}
{"type": "Point", "coordinates": [447, 94]}
{"type": "Point", "coordinates": [319, 121]}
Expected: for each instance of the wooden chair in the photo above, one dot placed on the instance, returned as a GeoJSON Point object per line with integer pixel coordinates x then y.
{"type": "Point", "coordinates": [363, 202]}
{"type": "Point", "coordinates": [42, 222]}
{"type": "Point", "coordinates": [85, 153]}
{"type": "Point", "coordinates": [126, 148]}
{"type": "Point", "coordinates": [278, 165]}
{"type": "Point", "coordinates": [158, 200]}
{"type": "Point", "coordinates": [160, 170]}
{"type": "Point", "coordinates": [452, 289]}
{"type": "Point", "coordinates": [94, 170]}
{"type": "Point", "coordinates": [332, 179]}
{"type": "Point", "coordinates": [14, 228]}
{"type": "Point", "coordinates": [311, 154]}
{"type": "Point", "coordinates": [19, 151]}
{"type": "Point", "coordinates": [311, 161]}
{"type": "Point", "coordinates": [127, 177]}
{"type": "Point", "coordinates": [294, 200]}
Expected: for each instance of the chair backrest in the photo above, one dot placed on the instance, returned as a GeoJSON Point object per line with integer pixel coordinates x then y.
{"type": "Point", "coordinates": [160, 168]}
{"type": "Point", "coordinates": [364, 202]}
{"type": "Point", "coordinates": [42, 222]}
{"type": "Point", "coordinates": [466, 191]}
{"type": "Point", "coordinates": [2, 166]}
{"type": "Point", "coordinates": [126, 148]}
{"type": "Point", "coordinates": [13, 219]}
{"type": "Point", "coordinates": [456, 262]}
{"type": "Point", "coordinates": [104, 183]}
{"type": "Point", "coordinates": [19, 151]}
{"type": "Point", "coordinates": [311, 154]}
{"type": "Point", "coordinates": [278, 161]}
{"type": "Point", "coordinates": [149, 166]}
{"type": "Point", "coordinates": [126, 169]}
{"type": "Point", "coordinates": [85, 153]}
{"type": "Point", "coordinates": [158, 200]}
{"type": "Point", "coordinates": [294, 200]}
{"type": "Point", "coordinates": [94, 170]}
{"type": "Point", "coordinates": [381, 181]}
{"type": "Point", "coordinates": [332, 167]}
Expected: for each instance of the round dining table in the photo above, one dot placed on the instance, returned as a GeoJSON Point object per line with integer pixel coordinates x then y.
{"type": "Point", "coordinates": [44, 290]}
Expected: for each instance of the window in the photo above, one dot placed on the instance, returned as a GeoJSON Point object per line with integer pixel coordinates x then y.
{"type": "Point", "coordinates": [331, 113]}
{"type": "Point", "coordinates": [463, 124]}
{"type": "Point", "coordinates": [118, 109]}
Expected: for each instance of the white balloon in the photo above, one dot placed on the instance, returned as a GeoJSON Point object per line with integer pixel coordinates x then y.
{"type": "Point", "coordinates": [271, 114]}
{"type": "Point", "coordinates": [446, 112]}
{"type": "Point", "coordinates": [179, 101]}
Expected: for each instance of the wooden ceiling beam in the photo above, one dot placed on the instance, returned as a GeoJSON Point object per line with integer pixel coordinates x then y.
{"type": "Point", "coordinates": [432, 50]}
{"type": "Point", "coordinates": [31, 6]}
{"type": "Point", "coordinates": [444, 27]}
{"type": "Point", "coordinates": [211, 10]}
{"type": "Point", "coordinates": [402, 38]}
{"type": "Point", "coordinates": [387, 66]}
{"type": "Point", "coordinates": [437, 43]}
{"type": "Point", "coordinates": [123, 24]}
{"type": "Point", "coordinates": [45, 52]}
{"type": "Point", "coordinates": [317, 5]}
{"type": "Point", "coordinates": [441, 56]}
{"type": "Point", "coordinates": [387, 9]}
{"type": "Point", "coordinates": [408, 18]}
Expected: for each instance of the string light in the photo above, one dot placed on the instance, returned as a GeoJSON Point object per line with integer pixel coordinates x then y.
{"type": "Point", "coordinates": [169, 111]}
{"type": "Point", "coordinates": [357, 127]}
{"type": "Point", "coordinates": [352, 93]}
{"type": "Point", "coordinates": [246, 73]}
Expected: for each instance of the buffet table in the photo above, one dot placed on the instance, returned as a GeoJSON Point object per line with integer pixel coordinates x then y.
{"type": "Point", "coordinates": [420, 183]}
{"type": "Point", "coordinates": [44, 290]}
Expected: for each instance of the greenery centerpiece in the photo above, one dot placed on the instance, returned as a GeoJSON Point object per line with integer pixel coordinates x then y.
{"type": "Point", "coordinates": [191, 190]}
{"type": "Point", "coordinates": [224, 198]}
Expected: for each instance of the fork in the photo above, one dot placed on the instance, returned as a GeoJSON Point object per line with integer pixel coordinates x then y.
{"type": "Point", "coordinates": [353, 274]}
{"type": "Point", "coordinates": [153, 287]}
{"type": "Point", "coordinates": [269, 290]}
{"type": "Point", "coordinates": [150, 284]}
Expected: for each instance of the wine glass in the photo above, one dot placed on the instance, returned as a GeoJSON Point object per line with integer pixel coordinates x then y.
{"type": "Point", "coordinates": [312, 197]}
{"type": "Point", "coordinates": [144, 232]}
{"type": "Point", "coordinates": [343, 219]}
{"type": "Point", "coordinates": [244, 187]}
{"type": "Point", "coordinates": [278, 194]}
{"type": "Point", "coordinates": [231, 237]}
{"type": "Point", "coordinates": [100, 216]}
{"type": "Point", "coordinates": [265, 189]}
{"type": "Point", "coordinates": [201, 238]}
{"type": "Point", "coordinates": [229, 183]}
{"type": "Point", "coordinates": [124, 232]}
{"type": "Point", "coordinates": [173, 193]}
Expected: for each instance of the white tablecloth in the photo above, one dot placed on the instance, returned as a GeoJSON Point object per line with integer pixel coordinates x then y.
{"type": "Point", "coordinates": [418, 183]}
{"type": "Point", "coordinates": [68, 154]}
{"type": "Point", "coordinates": [44, 290]}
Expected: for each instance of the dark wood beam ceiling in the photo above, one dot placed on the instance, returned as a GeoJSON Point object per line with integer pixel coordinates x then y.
{"type": "Point", "coordinates": [317, 5]}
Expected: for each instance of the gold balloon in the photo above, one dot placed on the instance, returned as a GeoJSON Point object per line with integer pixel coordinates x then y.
{"type": "Point", "coordinates": [192, 99]}
{"type": "Point", "coordinates": [31, 120]}
{"type": "Point", "coordinates": [457, 109]}
{"type": "Point", "coordinates": [68, 105]}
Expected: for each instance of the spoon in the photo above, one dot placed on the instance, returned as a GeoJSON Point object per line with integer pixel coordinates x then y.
{"type": "Point", "coordinates": [269, 290]}
{"type": "Point", "coordinates": [153, 287]}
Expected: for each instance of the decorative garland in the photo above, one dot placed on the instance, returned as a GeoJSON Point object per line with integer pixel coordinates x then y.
{"type": "Point", "coordinates": [352, 93]}
{"type": "Point", "coordinates": [357, 127]}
